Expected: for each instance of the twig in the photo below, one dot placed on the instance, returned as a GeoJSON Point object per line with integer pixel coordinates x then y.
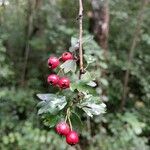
{"type": "Point", "coordinates": [80, 37]}
{"type": "Point", "coordinates": [131, 53]}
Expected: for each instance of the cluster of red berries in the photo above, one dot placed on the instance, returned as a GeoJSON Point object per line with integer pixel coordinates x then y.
{"type": "Point", "coordinates": [55, 80]}
{"type": "Point", "coordinates": [72, 137]}
{"type": "Point", "coordinates": [62, 128]}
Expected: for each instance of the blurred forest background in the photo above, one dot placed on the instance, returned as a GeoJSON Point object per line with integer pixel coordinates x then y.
{"type": "Point", "coordinates": [32, 30]}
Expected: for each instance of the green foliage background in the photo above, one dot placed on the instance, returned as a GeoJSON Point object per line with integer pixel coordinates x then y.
{"type": "Point", "coordinates": [54, 23]}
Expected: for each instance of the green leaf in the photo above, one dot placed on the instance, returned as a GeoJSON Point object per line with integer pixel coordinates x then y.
{"type": "Point", "coordinates": [89, 58]}
{"type": "Point", "coordinates": [74, 41]}
{"type": "Point", "coordinates": [146, 38]}
{"type": "Point", "coordinates": [92, 105]}
{"type": "Point", "coordinates": [76, 121]}
{"type": "Point", "coordinates": [92, 47]}
{"type": "Point", "coordinates": [87, 38]}
{"type": "Point", "coordinates": [103, 65]}
{"type": "Point", "coordinates": [86, 77]}
{"type": "Point", "coordinates": [81, 87]}
{"type": "Point", "coordinates": [91, 83]}
{"type": "Point", "coordinates": [69, 65]}
{"type": "Point", "coordinates": [104, 82]}
{"type": "Point", "coordinates": [78, 86]}
{"type": "Point", "coordinates": [132, 120]}
{"type": "Point", "coordinates": [51, 120]}
{"type": "Point", "coordinates": [74, 44]}
{"type": "Point", "coordinates": [51, 103]}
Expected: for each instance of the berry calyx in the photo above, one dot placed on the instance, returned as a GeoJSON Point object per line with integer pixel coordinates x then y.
{"type": "Point", "coordinates": [63, 128]}
{"type": "Point", "coordinates": [66, 56]}
{"type": "Point", "coordinates": [64, 83]}
{"type": "Point", "coordinates": [72, 138]}
{"type": "Point", "coordinates": [52, 79]}
{"type": "Point", "coordinates": [53, 62]}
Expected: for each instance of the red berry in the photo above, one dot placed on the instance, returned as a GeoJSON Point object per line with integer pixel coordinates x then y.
{"type": "Point", "coordinates": [64, 83]}
{"type": "Point", "coordinates": [66, 56]}
{"type": "Point", "coordinates": [52, 79]}
{"type": "Point", "coordinates": [62, 128]}
{"type": "Point", "coordinates": [72, 138]}
{"type": "Point", "coordinates": [53, 62]}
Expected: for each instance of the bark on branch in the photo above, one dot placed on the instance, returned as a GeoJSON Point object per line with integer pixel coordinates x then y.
{"type": "Point", "coordinates": [80, 37]}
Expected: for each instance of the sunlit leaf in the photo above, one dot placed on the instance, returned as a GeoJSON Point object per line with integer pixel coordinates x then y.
{"type": "Point", "coordinates": [86, 77]}
{"type": "Point", "coordinates": [81, 87]}
{"type": "Point", "coordinates": [69, 65]}
{"type": "Point", "coordinates": [91, 83]}
{"type": "Point", "coordinates": [92, 105]}
{"type": "Point", "coordinates": [51, 103]}
{"type": "Point", "coordinates": [89, 58]}
{"type": "Point", "coordinates": [104, 82]}
{"type": "Point", "coordinates": [74, 44]}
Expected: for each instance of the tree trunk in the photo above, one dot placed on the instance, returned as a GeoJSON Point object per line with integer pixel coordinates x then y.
{"type": "Point", "coordinates": [100, 23]}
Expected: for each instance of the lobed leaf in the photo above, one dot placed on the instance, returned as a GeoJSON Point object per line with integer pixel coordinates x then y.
{"type": "Point", "coordinates": [69, 65]}
{"type": "Point", "coordinates": [74, 44]}
{"type": "Point", "coordinates": [51, 103]}
{"type": "Point", "coordinates": [89, 58]}
{"type": "Point", "coordinates": [92, 105]}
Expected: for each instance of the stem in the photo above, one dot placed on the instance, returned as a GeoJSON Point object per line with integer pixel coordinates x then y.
{"type": "Point", "coordinates": [81, 37]}
{"type": "Point", "coordinates": [68, 116]}
{"type": "Point", "coordinates": [70, 123]}
{"type": "Point", "coordinates": [60, 71]}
